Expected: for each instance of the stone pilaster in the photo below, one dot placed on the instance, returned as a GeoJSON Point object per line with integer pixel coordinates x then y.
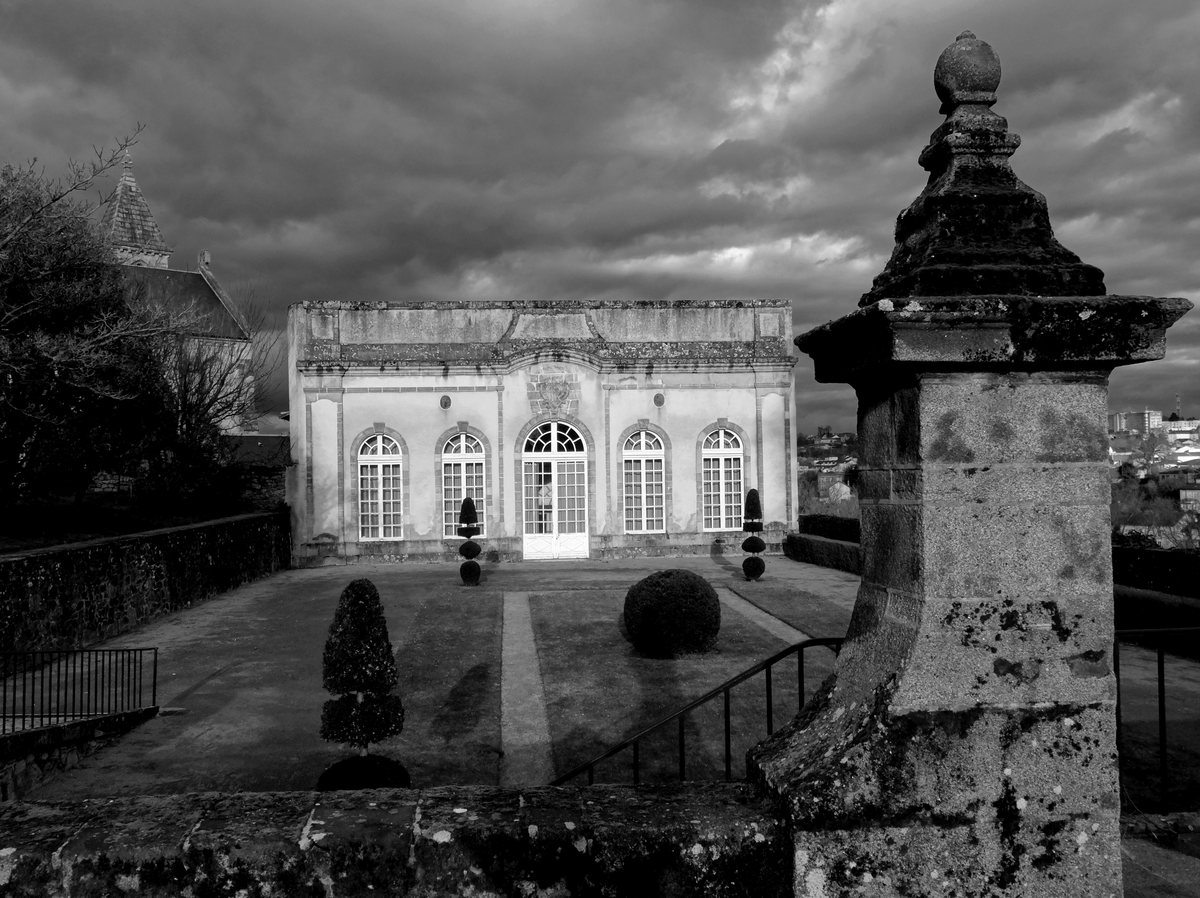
{"type": "Point", "coordinates": [965, 743]}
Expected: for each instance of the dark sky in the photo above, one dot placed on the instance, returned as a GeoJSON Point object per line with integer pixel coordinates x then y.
{"type": "Point", "coordinates": [375, 149]}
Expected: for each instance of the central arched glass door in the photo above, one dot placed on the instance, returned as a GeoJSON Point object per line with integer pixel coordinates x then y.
{"type": "Point", "coordinates": [554, 491]}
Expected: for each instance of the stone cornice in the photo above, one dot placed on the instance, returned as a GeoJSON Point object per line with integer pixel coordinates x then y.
{"type": "Point", "coordinates": [992, 333]}
{"type": "Point", "coordinates": [543, 305]}
{"type": "Point", "coordinates": [511, 353]}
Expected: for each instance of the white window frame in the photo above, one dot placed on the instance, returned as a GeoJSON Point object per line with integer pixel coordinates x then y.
{"type": "Point", "coordinates": [721, 453]}
{"type": "Point", "coordinates": [643, 455]}
{"type": "Point", "coordinates": [380, 489]}
{"type": "Point", "coordinates": [459, 451]}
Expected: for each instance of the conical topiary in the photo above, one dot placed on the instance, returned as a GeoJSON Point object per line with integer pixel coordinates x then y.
{"type": "Point", "coordinates": [753, 566]}
{"type": "Point", "coordinates": [358, 666]}
{"type": "Point", "coordinates": [468, 526]}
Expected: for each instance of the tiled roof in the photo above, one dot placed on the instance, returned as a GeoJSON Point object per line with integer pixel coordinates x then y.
{"type": "Point", "coordinates": [127, 219]}
{"type": "Point", "coordinates": [188, 290]}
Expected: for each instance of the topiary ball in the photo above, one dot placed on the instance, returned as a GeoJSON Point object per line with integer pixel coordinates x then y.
{"type": "Point", "coordinates": [470, 549]}
{"type": "Point", "coordinates": [671, 613]}
{"type": "Point", "coordinates": [753, 544]}
{"type": "Point", "coordinates": [753, 567]}
{"type": "Point", "coordinates": [469, 571]}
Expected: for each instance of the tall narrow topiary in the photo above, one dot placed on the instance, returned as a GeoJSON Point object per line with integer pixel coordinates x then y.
{"type": "Point", "coordinates": [468, 526]}
{"type": "Point", "coordinates": [358, 666]}
{"type": "Point", "coordinates": [753, 566]}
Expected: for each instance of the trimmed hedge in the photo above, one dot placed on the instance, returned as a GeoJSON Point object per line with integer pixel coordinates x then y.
{"type": "Point", "coordinates": [671, 613]}
{"type": "Point", "coordinates": [844, 556]}
{"type": "Point", "coordinates": [753, 567]}
{"type": "Point", "coordinates": [830, 526]}
{"type": "Point", "coordinates": [1161, 570]}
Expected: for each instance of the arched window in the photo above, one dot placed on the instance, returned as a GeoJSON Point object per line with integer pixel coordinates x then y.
{"type": "Point", "coordinates": [554, 471]}
{"type": "Point", "coordinates": [462, 475]}
{"type": "Point", "coordinates": [554, 436]}
{"type": "Point", "coordinates": [722, 480]}
{"type": "Point", "coordinates": [379, 488]}
{"type": "Point", "coordinates": [642, 459]}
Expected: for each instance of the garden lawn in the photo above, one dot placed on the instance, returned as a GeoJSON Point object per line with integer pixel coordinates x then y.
{"type": "Point", "coordinates": [448, 658]}
{"type": "Point", "coordinates": [599, 689]}
{"type": "Point", "coordinates": [818, 616]}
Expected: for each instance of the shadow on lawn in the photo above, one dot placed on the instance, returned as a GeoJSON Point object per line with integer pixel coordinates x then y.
{"type": "Point", "coordinates": [717, 554]}
{"type": "Point", "coordinates": [465, 705]}
{"type": "Point", "coordinates": [660, 691]}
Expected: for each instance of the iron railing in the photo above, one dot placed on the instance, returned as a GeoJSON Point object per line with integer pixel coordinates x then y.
{"type": "Point", "coordinates": [1158, 636]}
{"type": "Point", "coordinates": [48, 688]}
{"type": "Point", "coordinates": [764, 667]}
{"type": "Point", "coordinates": [678, 717]}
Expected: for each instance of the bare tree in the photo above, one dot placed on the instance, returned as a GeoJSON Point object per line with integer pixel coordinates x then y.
{"type": "Point", "coordinates": [76, 376]}
{"type": "Point", "coordinates": [30, 199]}
{"type": "Point", "coordinates": [212, 381]}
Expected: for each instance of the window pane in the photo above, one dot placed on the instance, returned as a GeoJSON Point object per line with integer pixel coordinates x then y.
{"type": "Point", "coordinates": [459, 480]}
{"type": "Point", "coordinates": [711, 489]}
{"type": "Point", "coordinates": [634, 503]}
{"type": "Point", "coordinates": [572, 497]}
{"type": "Point", "coordinates": [368, 502]}
{"type": "Point", "coordinates": [390, 492]}
{"type": "Point", "coordinates": [655, 519]}
{"type": "Point", "coordinates": [538, 498]}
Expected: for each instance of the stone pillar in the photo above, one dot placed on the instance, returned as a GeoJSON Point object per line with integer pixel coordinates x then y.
{"type": "Point", "coordinates": [965, 743]}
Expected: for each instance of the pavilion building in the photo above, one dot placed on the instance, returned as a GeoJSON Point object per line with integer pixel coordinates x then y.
{"type": "Point", "coordinates": [581, 429]}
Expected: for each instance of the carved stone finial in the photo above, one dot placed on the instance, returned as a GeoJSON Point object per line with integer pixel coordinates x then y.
{"type": "Point", "coordinates": [977, 229]}
{"type": "Point", "coordinates": [127, 162]}
{"type": "Point", "coordinates": [968, 71]}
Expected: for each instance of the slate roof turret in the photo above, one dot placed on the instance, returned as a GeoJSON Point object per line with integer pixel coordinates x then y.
{"type": "Point", "coordinates": [128, 223]}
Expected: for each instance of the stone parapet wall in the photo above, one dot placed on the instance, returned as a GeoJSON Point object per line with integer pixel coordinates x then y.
{"type": "Point", "coordinates": [78, 595]}
{"type": "Point", "coordinates": [714, 840]}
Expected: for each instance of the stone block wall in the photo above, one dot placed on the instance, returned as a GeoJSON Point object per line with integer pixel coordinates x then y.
{"type": "Point", "coordinates": [78, 595]}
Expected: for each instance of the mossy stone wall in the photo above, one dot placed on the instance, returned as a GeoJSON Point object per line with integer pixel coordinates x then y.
{"type": "Point", "coordinates": [78, 595]}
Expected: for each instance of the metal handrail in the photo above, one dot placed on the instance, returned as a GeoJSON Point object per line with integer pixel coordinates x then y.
{"type": "Point", "coordinates": [589, 767]}
{"type": "Point", "coordinates": [45, 688]}
{"type": "Point", "coordinates": [1164, 776]}
{"type": "Point", "coordinates": [835, 643]}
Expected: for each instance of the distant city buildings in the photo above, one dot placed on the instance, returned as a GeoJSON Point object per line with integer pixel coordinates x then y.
{"type": "Point", "coordinates": [824, 459]}
{"type": "Point", "coordinates": [1153, 445]}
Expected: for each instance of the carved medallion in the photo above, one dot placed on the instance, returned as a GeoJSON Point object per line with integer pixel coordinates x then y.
{"type": "Point", "coordinates": [555, 393]}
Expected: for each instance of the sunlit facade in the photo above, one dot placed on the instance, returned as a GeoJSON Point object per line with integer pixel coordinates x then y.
{"type": "Point", "coordinates": [579, 429]}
